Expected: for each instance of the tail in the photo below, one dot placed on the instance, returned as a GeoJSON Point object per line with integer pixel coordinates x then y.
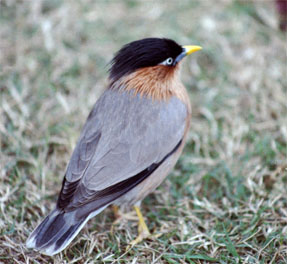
{"type": "Point", "coordinates": [57, 231]}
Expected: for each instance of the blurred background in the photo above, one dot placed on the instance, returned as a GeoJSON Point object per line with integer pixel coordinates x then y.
{"type": "Point", "coordinates": [226, 201]}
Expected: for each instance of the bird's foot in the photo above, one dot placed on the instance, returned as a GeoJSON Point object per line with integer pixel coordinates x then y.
{"type": "Point", "coordinates": [143, 231]}
{"type": "Point", "coordinates": [120, 217]}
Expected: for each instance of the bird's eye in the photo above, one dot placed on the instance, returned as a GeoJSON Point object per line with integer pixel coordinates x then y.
{"type": "Point", "coordinates": [169, 61]}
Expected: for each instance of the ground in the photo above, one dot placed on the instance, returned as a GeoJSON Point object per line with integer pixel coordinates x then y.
{"type": "Point", "coordinates": [226, 199]}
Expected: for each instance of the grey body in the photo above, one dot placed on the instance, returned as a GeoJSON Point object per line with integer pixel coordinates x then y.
{"type": "Point", "coordinates": [124, 135]}
{"type": "Point", "coordinates": [134, 133]}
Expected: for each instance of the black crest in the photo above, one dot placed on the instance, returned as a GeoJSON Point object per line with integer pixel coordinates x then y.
{"type": "Point", "coordinates": [142, 53]}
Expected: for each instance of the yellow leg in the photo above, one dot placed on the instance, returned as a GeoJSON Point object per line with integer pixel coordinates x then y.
{"type": "Point", "coordinates": [142, 227]}
{"type": "Point", "coordinates": [116, 211]}
{"type": "Point", "coordinates": [120, 217]}
{"type": "Point", "coordinates": [142, 230]}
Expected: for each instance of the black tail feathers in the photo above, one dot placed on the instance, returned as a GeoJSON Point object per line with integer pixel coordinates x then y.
{"type": "Point", "coordinates": [56, 232]}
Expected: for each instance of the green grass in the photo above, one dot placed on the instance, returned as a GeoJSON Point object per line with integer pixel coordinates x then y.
{"type": "Point", "coordinates": [226, 199]}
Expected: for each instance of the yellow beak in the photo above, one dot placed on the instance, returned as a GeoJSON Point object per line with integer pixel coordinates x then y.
{"type": "Point", "coordinates": [190, 49]}
{"type": "Point", "coordinates": [186, 51]}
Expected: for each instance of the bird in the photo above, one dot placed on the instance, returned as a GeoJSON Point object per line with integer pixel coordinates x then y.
{"type": "Point", "coordinates": [130, 142]}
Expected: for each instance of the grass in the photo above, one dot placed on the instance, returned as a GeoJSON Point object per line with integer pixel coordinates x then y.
{"type": "Point", "coordinates": [226, 200]}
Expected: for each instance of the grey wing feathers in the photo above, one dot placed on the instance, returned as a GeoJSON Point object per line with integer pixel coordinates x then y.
{"type": "Point", "coordinates": [124, 135]}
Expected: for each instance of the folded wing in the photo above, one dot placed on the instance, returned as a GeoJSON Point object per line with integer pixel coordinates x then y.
{"type": "Point", "coordinates": [126, 137]}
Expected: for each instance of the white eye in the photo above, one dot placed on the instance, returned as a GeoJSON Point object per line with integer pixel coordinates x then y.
{"type": "Point", "coordinates": [169, 61]}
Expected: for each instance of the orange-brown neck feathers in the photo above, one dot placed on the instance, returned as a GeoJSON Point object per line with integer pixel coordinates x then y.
{"type": "Point", "coordinates": [158, 82]}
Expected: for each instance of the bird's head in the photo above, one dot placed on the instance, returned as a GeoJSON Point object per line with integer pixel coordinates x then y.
{"type": "Point", "coordinates": [148, 67]}
{"type": "Point", "coordinates": [148, 52]}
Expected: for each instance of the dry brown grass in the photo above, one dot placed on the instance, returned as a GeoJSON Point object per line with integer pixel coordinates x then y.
{"type": "Point", "coordinates": [226, 201]}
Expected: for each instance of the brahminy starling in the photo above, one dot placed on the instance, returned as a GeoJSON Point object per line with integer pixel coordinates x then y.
{"type": "Point", "coordinates": [131, 140]}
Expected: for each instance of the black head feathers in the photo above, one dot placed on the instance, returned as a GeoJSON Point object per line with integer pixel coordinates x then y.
{"type": "Point", "coordinates": [142, 53]}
